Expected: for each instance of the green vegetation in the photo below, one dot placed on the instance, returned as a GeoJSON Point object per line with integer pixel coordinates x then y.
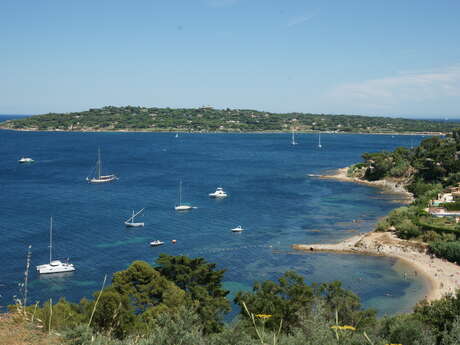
{"type": "Point", "coordinates": [181, 301]}
{"type": "Point", "coordinates": [207, 119]}
{"type": "Point", "coordinates": [427, 170]}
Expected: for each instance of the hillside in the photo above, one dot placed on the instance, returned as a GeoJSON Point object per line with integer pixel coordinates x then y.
{"type": "Point", "coordinates": [208, 119]}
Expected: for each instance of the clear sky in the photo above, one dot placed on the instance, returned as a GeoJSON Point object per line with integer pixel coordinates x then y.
{"type": "Point", "coordinates": [382, 57]}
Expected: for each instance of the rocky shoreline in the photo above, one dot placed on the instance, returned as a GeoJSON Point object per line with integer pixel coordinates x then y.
{"type": "Point", "coordinates": [441, 277]}
{"type": "Point", "coordinates": [391, 186]}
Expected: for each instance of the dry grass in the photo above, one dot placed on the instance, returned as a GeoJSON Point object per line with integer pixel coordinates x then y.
{"type": "Point", "coordinates": [15, 331]}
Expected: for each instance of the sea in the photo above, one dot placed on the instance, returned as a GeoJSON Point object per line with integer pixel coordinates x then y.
{"type": "Point", "coordinates": [274, 194]}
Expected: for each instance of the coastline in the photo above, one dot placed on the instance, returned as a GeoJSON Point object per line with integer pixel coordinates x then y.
{"type": "Point", "coordinates": [206, 132]}
{"type": "Point", "coordinates": [391, 186]}
{"type": "Point", "coordinates": [441, 277]}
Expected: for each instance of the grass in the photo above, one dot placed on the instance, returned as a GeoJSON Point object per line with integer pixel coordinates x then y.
{"type": "Point", "coordinates": [15, 331]}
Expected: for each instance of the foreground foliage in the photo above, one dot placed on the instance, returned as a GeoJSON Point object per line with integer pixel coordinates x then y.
{"type": "Point", "coordinates": [437, 323]}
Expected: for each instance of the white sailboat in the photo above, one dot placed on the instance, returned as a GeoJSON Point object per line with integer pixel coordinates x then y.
{"type": "Point", "coordinates": [181, 206]}
{"type": "Point", "coordinates": [54, 266]}
{"type": "Point", "coordinates": [131, 223]}
{"type": "Point", "coordinates": [319, 140]}
{"type": "Point", "coordinates": [293, 142]}
{"type": "Point", "coordinates": [177, 134]}
{"type": "Point", "coordinates": [98, 177]}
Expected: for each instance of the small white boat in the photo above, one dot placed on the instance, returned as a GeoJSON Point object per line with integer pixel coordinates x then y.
{"type": "Point", "coordinates": [26, 160]}
{"type": "Point", "coordinates": [156, 243]}
{"type": "Point", "coordinates": [239, 228]}
{"type": "Point", "coordinates": [219, 193]}
{"type": "Point", "coordinates": [319, 140]}
{"type": "Point", "coordinates": [54, 266]}
{"type": "Point", "coordinates": [177, 135]}
{"type": "Point", "coordinates": [181, 206]}
{"type": "Point", "coordinates": [131, 223]}
{"type": "Point", "coordinates": [98, 178]}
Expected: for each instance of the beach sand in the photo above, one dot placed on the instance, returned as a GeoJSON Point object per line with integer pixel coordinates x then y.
{"type": "Point", "coordinates": [442, 277]}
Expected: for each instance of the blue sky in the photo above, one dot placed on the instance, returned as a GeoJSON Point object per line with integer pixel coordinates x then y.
{"type": "Point", "coordinates": [393, 57]}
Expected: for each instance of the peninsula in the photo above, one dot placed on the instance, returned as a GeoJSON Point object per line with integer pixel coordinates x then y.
{"type": "Point", "coordinates": [208, 119]}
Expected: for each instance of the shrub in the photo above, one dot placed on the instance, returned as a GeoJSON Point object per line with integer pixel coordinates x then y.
{"type": "Point", "coordinates": [446, 250]}
{"type": "Point", "coordinates": [406, 229]}
{"type": "Point", "coordinates": [382, 225]}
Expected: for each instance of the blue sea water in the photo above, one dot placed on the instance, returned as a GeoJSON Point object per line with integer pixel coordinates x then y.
{"type": "Point", "coordinates": [271, 195]}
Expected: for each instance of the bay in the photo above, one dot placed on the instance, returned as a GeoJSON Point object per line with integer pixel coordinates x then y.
{"type": "Point", "coordinates": [271, 195]}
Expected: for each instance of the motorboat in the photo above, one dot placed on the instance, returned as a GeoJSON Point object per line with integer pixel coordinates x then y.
{"type": "Point", "coordinates": [239, 228]}
{"type": "Point", "coordinates": [219, 193]}
{"type": "Point", "coordinates": [26, 160]}
{"type": "Point", "coordinates": [54, 266]}
{"type": "Point", "coordinates": [156, 243]}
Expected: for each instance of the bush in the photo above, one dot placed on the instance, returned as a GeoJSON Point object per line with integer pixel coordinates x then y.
{"type": "Point", "coordinates": [419, 188]}
{"type": "Point", "coordinates": [446, 250]}
{"type": "Point", "coordinates": [406, 329]}
{"type": "Point", "coordinates": [451, 206]}
{"type": "Point", "coordinates": [382, 225]}
{"type": "Point", "coordinates": [430, 236]}
{"type": "Point", "coordinates": [406, 229]}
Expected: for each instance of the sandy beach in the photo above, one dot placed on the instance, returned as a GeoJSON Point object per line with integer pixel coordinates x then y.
{"type": "Point", "coordinates": [442, 277]}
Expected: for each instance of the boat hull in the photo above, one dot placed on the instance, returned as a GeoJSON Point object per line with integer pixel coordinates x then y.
{"type": "Point", "coordinates": [134, 225]}
{"type": "Point", "coordinates": [103, 179]}
{"type": "Point", "coordinates": [183, 208]}
{"type": "Point", "coordinates": [217, 196]}
{"type": "Point", "coordinates": [49, 269]}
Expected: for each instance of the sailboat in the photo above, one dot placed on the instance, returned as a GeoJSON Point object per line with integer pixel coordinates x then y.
{"type": "Point", "coordinates": [181, 206]}
{"type": "Point", "coordinates": [319, 140]}
{"type": "Point", "coordinates": [54, 266]}
{"type": "Point", "coordinates": [293, 142]}
{"type": "Point", "coordinates": [131, 223]}
{"type": "Point", "coordinates": [177, 134]}
{"type": "Point", "coordinates": [98, 178]}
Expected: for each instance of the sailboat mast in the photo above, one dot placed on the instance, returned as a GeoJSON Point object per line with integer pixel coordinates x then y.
{"type": "Point", "coordinates": [51, 238]}
{"type": "Point", "coordinates": [99, 164]}
{"type": "Point", "coordinates": [180, 192]}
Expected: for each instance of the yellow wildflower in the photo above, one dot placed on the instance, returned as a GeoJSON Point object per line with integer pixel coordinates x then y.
{"type": "Point", "coordinates": [350, 328]}
{"type": "Point", "coordinates": [263, 316]}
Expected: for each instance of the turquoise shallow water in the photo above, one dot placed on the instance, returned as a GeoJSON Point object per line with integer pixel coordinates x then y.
{"type": "Point", "coordinates": [271, 195]}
